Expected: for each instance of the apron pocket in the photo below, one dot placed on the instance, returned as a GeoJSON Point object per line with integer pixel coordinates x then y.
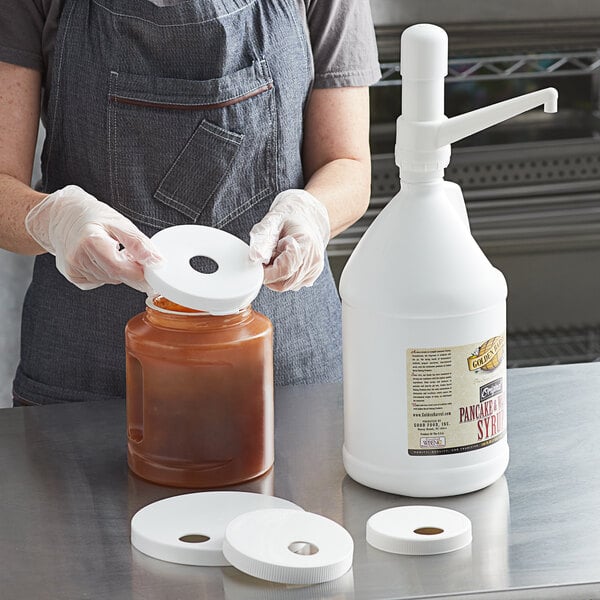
{"type": "Point", "coordinates": [214, 148]}
{"type": "Point", "coordinates": [186, 151]}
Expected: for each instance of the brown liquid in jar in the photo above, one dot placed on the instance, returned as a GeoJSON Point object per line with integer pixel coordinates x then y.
{"type": "Point", "coordinates": [199, 396]}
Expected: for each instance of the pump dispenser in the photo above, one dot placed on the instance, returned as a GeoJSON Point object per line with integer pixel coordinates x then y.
{"type": "Point", "coordinates": [424, 311]}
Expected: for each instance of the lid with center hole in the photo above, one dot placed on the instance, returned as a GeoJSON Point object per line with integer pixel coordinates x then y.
{"type": "Point", "coordinates": [419, 530]}
{"type": "Point", "coordinates": [288, 546]}
{"type": "Point", "coordinates": [204, 268]}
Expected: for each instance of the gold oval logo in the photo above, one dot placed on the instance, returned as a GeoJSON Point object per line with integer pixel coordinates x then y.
{"type": "Point", "coordinates": [489, 355]}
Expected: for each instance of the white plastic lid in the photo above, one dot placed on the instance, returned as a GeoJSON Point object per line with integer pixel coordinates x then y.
{"type": "Point", "coordinates": [419, 530]}
{"type": "Point", "coordinates": [231, 287]}
{"type": "Point", "coordinates": [189, 529]}
{"type": "Point", "coordinates": [288, 546]}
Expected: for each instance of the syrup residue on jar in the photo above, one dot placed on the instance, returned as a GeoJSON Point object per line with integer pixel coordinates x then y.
{"type": "Point", "coordinates": [166, 304]}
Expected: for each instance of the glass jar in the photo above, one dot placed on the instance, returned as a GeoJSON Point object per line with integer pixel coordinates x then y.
{"type": "Point", "coordinates": [199, 396]}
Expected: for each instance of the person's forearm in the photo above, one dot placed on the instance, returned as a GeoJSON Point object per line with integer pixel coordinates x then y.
{"type": "Point", "coordinates": [16, 200]}
{"type": "Point", "coordinates": [344, 187]}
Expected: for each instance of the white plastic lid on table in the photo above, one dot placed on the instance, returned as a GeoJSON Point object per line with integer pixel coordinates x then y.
{"type": "Point", "coordinates": [288, 546]}
{"type": "Point", "coordinates": [230, 282]}
{"type": "Point", "coordinates": [419, 530]}
{"type": "Point", "coordinates": [189, 529]}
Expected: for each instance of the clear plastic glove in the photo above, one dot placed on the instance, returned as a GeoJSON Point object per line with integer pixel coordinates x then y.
{"type": "Point", "coordinates": [290, 240]}
{"type": "Point", "coordinates": [85, 236]}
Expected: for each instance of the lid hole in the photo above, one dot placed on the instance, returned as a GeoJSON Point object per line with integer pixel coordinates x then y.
{"type": "Point", "coordinates": [304, 548]}
{"type": "Point", "coordinates": [428, 530]}
{"type": "Point", "coordinates": [203, 264]}
{"type": "Point", "coordinates": [194, 538]}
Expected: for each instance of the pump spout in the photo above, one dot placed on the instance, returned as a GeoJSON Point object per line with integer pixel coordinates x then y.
{"type": "Point", "coordinates": [462, 126]}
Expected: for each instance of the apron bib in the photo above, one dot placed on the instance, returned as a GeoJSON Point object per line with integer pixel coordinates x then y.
{"type": "Point", "coordinates": [187, 113]}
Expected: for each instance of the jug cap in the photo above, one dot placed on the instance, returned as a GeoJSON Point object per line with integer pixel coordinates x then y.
{"type": "Point", "coordinates": [419, 530]}
{"type": "Point", "coordinates": [189, 529]}
{"type": "Point", "coordinates": [204, 268]}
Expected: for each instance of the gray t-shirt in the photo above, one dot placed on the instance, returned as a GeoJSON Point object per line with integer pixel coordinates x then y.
{"type": "Point", "coordinates": [341, 35]}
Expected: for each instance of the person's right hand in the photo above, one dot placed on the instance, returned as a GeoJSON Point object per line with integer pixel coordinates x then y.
{"type": "Point", "coordinates": [86, 235]}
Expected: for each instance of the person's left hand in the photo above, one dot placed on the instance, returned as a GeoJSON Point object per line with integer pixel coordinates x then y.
{"type": "Point", "coordinates": [290, 240]}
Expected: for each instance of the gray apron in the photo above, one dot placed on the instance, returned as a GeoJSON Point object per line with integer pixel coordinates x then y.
{"type": "Point", "coordinates": [190, 113]}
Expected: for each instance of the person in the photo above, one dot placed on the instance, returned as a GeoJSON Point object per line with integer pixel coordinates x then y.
{"type": "Point", "coordinates": [246, 115]}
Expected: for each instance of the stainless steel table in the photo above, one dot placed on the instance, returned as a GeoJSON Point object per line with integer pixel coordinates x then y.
{"type": "Point", "coordinates": [66, 499]}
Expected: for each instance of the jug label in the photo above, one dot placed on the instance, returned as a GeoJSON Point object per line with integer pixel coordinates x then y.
{"type": "Point", "coordinates": [456, 397]}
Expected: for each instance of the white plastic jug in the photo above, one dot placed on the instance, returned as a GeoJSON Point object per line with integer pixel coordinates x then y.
{"type": "Point", "coordinates": [424, 311]}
